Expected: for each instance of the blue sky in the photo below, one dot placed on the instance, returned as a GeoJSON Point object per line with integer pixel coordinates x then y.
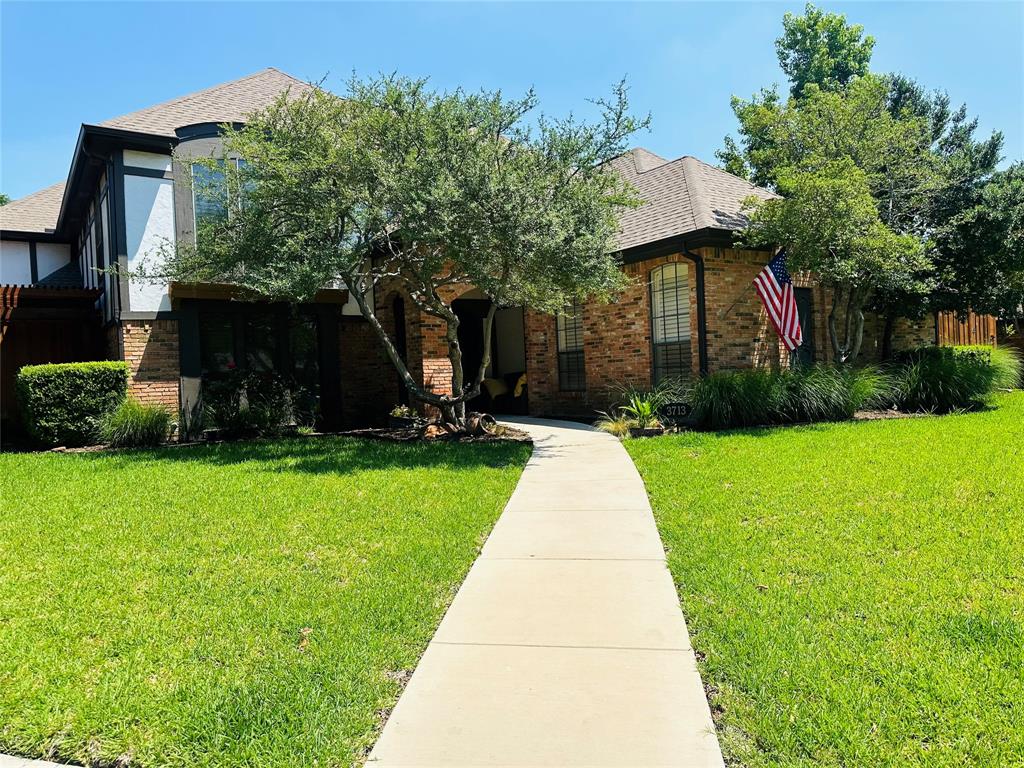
{"type": "Point", "coordinates": [65, 64]}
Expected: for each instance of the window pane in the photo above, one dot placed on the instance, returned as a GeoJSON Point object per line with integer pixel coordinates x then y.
{"type": "Point", "coordinates": [209, 195]}
{"type": "Point", "coordinates": [670, 321]}
{"type": "Point", "coordinates": [260, 342]}
{"type": "Point", "coordinates": [216, 343]}
{"type": "Point", "coordinates": [571, 360]}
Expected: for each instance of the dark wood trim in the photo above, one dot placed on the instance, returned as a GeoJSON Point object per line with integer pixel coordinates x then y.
{"type": "Point", "coordinates": [33, 262]}
{"type": "Point", "coordinates": [151, 173]}
{"type": "Point", "coordinates": [161, 314]}
{"type": "Point", "coordinates": [120, 232]}
{"type": "Point", "coordinates": [677, 244]}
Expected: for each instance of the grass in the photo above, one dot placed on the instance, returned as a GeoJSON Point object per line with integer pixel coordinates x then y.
{"type": "Point", "coordinates": [248, 604]}
{"type": "Point", "coordinates": [855, 590]}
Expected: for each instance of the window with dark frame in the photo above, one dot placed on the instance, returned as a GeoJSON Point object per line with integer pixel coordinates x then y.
{"type": "Point", "coordinates": [670, 322]}
{"type": "Point", "coordinates": [571, 363]}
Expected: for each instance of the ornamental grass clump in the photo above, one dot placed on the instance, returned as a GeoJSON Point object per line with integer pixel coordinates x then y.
{"type": "Point", "coordinates": [135, 425]}
{"type": "Point", "coordinates": [762, 396]}
{"type": "Point", "coordinates": [945, 379]}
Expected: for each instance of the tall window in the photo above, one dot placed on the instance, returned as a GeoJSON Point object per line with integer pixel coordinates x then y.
{"type": "Point", "coordinates": [209, 195]}
{"type": "Point", "coordinates": [670, 321]}
{"type": "Point", "coordinates": [569, 330]}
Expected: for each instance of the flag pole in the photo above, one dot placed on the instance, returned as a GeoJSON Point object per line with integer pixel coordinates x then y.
{"type": "Point", "coordinates": [722, 313]}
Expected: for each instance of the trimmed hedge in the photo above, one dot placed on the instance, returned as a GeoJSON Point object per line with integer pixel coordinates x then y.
{"type": "Point", "coordinates": [63, 402]}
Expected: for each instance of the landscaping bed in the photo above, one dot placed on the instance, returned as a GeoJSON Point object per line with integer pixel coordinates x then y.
{"type": "Point", "coordinates": [256, 603]}
{"type": "Point", "coordinates": [854, 590]}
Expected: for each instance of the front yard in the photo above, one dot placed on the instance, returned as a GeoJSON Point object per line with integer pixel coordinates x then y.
{"type": "Point", "coordinates": [856, 590]}
{"type": "Point", "coordinates": [247, 604]}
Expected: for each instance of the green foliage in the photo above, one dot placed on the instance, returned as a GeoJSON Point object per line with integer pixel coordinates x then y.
{"type": "Point", "coordinates": [761, 396]}
{"type": "Point", "coordinates": [985, 267]}
{"type": "Point", "coordinates": [63, 402]}
{"type": "Point", "coordinates": [851, 588]}
{"type": "Point", "coordinates": [135, 425]}
{"type": "Point", "coordinates": [243, 403]}
{"type": "Point", "coordinates": [4, 199]}
{"type": "Point", "coordinates": [426, 188]}
{"type": "Point", "coordinates": [821, 48]}
{"type": "Point", "coordinates": [1009, 368]}
{"type": "Point", "coordinates": [943, 379]}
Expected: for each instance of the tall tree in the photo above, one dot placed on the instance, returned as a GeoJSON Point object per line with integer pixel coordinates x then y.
{"type": "Point", "coordinates": [426, 190]}
{"type": "Point", "coordinates": [821, 48]}
{"type": "Point", "coordinates": [828, 222]}
{"type": "Point", "coordinates": [4, 199]}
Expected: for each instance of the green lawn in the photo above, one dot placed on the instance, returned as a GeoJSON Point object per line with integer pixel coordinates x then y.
{"type": "Point", "coordinates": [249, 604]}
{"type": "Point", "coordinates": [856, 591]}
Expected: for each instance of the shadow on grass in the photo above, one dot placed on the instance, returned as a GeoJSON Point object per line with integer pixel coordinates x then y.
{"type": "Point", "coordinates": [324, 455]}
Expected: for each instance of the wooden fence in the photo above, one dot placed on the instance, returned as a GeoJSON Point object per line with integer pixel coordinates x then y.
{"type": "Point", "coordinates": [956, 328]}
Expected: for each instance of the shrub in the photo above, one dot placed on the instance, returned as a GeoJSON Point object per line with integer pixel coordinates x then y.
{"type": "Point", "coordinates": [62, 402]}
{"type": "Point", "coordinates": [762, 396]}
{"type": "Point", "coordinates": [944, 379]}
{"type": "Point", "coordinates": [135, 425]}
{"type": "Point", "coordinates": [1008, 367]}
{"type": "Point", "coordinates": [248, 402]}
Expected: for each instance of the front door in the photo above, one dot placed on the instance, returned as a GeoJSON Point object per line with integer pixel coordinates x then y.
{"type": "Point", "coordinates": [804, 354]}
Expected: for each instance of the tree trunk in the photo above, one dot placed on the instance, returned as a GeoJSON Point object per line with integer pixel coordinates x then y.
{"type": "Point", "coordinates": [853, 324]}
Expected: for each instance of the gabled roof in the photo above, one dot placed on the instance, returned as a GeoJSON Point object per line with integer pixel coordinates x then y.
{"type": "Point", "coordinates": [680, 196]}
{"type": "Point", "coordinates": [230, 102]}
{"type": "Point", "coordinates": [33, 213]}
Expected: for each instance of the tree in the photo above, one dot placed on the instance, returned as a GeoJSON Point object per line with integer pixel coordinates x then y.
{"type": "Point", "coordinates": [993, 230]}
{"type": "Point", "coordinates": [828, 222]}
{"type": "Point", "coordinates": [427, 190]}
{"type": "Point", "coordinates": [821, 48]}
{"type": "Point", "coordinates": [4, 199]}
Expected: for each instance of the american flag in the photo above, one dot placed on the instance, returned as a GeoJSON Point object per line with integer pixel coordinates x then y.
{"type": "Point", "coordinates": [775, 287]}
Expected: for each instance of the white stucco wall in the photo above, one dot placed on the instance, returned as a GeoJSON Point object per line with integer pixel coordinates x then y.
{"type": "Point", "coordinates": [15, 263]}
{"type": "Point", "coordinates": [150, 160]}
{"type": "Point", "coordinates": [51, 256]}
{"type": "Point", "coordinates": [149, 225]}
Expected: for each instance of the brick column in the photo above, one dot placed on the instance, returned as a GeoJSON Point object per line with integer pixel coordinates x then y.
{"type": "Point", "coordinates": [151, 351]}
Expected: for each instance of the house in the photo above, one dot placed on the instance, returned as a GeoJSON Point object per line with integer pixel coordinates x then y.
{"type": "Point", "coordinates": [690, 309]}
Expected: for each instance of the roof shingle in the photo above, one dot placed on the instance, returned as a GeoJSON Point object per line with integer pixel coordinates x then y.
{"type": "Point", "coordinates": [37, 212]}
{"type": "Point", "coordinates": [230, 102]}
{"type": "Point", "coordinates": [680, 196]}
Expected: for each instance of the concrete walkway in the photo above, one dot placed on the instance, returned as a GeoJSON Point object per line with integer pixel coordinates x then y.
{"type": "Point", "coordinates": [566, 645]}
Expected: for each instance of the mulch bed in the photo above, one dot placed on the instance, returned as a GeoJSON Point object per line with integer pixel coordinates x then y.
{"type": "Point", "coordinates": [413, 434]}
{"type": "Point", "coordinates": [887, 414]}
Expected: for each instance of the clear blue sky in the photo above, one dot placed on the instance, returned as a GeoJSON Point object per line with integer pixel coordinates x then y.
{"type": "Point", "coordinates": [65, 64]}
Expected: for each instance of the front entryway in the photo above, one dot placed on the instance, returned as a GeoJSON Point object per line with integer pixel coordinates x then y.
{"type": "Point", "coordinates": [504, 388]}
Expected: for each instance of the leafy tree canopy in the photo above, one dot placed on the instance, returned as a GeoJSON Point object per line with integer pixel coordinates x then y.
{"type": "Point", "coordinates": [828, 222]}
{"type": "Point", "coordinates": [821, 48]}
{"type": "Point", "coordinates": [428, 190]}
{"type": "Point", "coordinates": [4, 199]}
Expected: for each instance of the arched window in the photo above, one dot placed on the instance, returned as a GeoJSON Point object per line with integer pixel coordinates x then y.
{"type": "Point", "coordinates": [569, 331]}
{"type": "Point", "coordinates": [670, 321]}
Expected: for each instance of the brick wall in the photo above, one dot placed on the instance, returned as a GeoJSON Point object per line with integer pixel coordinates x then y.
{"type": "Point", "coordinates": [151, 351]}
{"type": "Point", "coordinates": [617, 336]}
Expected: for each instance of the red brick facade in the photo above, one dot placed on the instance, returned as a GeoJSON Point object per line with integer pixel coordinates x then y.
{"type": "Point", "coordinates": [150, 347]}
{"type": "Point", "coordinates": [617, 341]}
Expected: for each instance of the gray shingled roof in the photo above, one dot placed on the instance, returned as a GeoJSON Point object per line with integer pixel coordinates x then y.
{"type": "Point", "coordinates": [230, 102]}
{"type": "Point", "coordinates": [680, 196]}
{"type": "Point", "coordinates": [33, 213]}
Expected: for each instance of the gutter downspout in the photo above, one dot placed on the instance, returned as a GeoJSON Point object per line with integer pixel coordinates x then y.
{"type": "Point", "coordinates": [702, 324]}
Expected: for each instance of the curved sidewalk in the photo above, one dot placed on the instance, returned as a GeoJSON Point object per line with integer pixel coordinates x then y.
{"type": "Point", "coordinates": [565, 646]}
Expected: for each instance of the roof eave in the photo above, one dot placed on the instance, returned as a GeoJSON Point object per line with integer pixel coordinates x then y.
{"type": "Point", "coordinates": [678, 243]}
{"type": "Point", "coordinates": [103, 138]}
